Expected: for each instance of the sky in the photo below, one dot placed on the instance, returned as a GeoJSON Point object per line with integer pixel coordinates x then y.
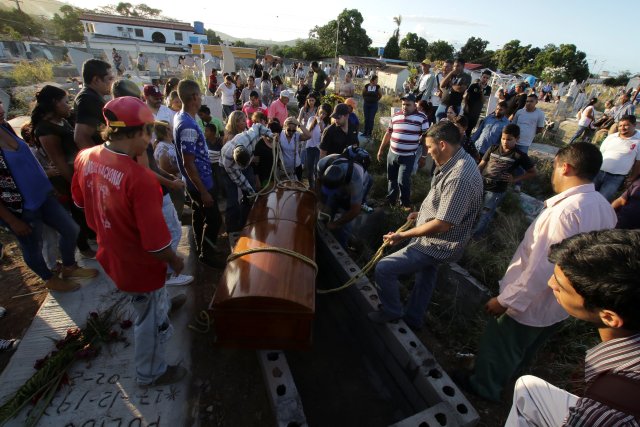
{"type": "Point", "coordinates": [586, 23]}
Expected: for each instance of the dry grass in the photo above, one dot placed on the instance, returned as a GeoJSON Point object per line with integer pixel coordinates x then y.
{"type": "Point", "coordinates": [27, 73]}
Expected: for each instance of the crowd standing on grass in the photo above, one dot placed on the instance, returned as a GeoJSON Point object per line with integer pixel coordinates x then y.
{"type": "Point", "coordinates": [111, 180]}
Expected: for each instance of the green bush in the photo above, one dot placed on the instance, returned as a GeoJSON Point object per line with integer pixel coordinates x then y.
{"type": "Point", "coordinates": [27, 73]}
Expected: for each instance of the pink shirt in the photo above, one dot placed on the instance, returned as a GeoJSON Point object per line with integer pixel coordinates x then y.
{"type": "Point", "coordinates": [524, 289]}
{"type": "Point", "coordinates": [249, 109]}
{"type": "Point", "coordinates": [278, 110]}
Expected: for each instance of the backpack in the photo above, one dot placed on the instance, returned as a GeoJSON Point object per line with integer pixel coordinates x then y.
{"type": "Point", "coordinates": [358, 155]}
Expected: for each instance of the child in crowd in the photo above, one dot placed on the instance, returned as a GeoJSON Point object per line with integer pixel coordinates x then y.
{"type": "Point", "coordinates": [497, 167]}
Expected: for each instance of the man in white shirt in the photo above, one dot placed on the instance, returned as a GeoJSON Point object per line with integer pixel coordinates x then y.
{"type": "Point", "coordinates": [153, 98]}
{"type": "Point", "coordinates": [427, 82]}
{"type": "Point", "coordinates": [621, 157]}
{"type": "Point", "coordinates": [437, 92]}
{"type": "Point", "coordinates": [526, 311]}
{"type": "Point", "coordinates": [531, 122]}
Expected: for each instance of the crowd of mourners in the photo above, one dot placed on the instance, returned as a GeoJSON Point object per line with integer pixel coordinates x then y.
{"type": "Point", "coordinates": [119, 175]}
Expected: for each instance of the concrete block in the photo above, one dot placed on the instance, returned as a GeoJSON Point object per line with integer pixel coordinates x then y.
{"type": "Point", "coordinates": [467, 293]}
{"type": "Point", "coordinates": [440, 414]}
{"type": "Point", "coordinates": [281, 388]}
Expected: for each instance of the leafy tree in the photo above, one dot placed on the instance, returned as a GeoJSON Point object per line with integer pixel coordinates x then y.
{"type": "Point", "coordinates": [392, 49]}
{"type": "Point", "coordinates": [212, 37]}
{"type": "Point", "coordinates": [15, 21]}
{"type": "Point", "coordinates": [239, 43]}
{"type": "Point", "coordinates": [127, 9]}
{"type": "Point", "coordinates": [410, 55]}
{"type": "Point", "coordinates": [398, 21]}
{"type": "Point", "coordinates": [352, 37]}
{"type": "Point", "coordinates": [418, 44]}
{"type": "Point", "coordinates": [620, 80]}
{"type": "Point", "coordinates": [68, 26]}
{"type": "Point", "coordinates": [473, 49]}
{"type": "Point", "coordinates": [440, 50]}
{"type": "Point", "coordinates": [567, 56]}
{"type": "Point", "coordinates": [147, 12]}
{"type": "Point", "coordinates": [513, 57]}
{"type": "Point", "coordinates": [308, 49]}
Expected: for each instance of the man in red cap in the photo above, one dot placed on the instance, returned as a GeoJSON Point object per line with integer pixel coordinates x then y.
{"type": "Point", "coordinates": [123, 204]}
{"type": "Point", "coordinates": [153, 98]}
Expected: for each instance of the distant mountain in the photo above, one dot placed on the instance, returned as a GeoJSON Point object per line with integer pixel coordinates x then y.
{"type": "Point", "coordinates": [255, 42]}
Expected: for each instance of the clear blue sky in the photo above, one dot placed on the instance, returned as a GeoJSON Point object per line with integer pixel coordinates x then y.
{"type": "Point", "coordinates": [590, 25]}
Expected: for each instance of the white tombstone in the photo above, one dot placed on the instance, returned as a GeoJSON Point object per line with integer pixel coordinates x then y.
{"type": "Point", "coordinates": [214, 104]}
{"type": "Point", "coordinates": [78, 58]}
{"type": "Point", "coordinates": [228, 60]}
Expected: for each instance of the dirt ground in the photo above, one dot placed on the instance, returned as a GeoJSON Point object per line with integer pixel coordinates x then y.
{"type": "Point", "coordinates": [17, 279]}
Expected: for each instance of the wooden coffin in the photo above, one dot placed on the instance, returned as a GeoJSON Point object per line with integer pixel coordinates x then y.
{"type": "Point", "coordinates": [266, 300]}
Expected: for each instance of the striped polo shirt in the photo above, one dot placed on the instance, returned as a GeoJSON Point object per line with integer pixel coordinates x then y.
{"type": "Point", "coordinates": [406, 131]}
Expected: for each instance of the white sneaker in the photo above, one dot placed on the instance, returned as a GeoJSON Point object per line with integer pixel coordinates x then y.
{"type": "Point", "coordinates": [6, 345]}
{"type": "Point", "coordinates": [179, 280]}
{"type": "Point", "coordinates": [367, 208]}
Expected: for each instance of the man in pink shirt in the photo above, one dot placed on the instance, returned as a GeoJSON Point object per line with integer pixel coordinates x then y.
{"type": "Point", "coordinates": [526, 311]}
{"type": "Point", "coordinates": [278, 108]}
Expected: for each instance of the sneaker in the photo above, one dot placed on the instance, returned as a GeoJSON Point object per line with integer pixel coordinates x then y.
{"type": "Point", "coordinates": [77, 272]}
{"type": "Point", "coordinates": [88, 253]}
{"type": "Point", "coordinates": [173, 374]}
{"type": "Point", "coordinates": [382, 317]}
{"type": "Point", "coordinates": [8, 345]}
{"type": "Point", "coordinates": [3, 311]}
{"type": "Point", "coordinates": [179, 280]}
{"type": "Point", "coordinates": [177, 302]}
{"type": "Point", "coordinates": [61, 285]}
{"type": "Point", "coordinates": [366, 208]}
{"type": "Point", "coordinates": [213, 262]}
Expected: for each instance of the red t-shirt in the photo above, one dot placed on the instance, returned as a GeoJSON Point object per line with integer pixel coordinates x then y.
{"type": "Point", "coordinates": [122, 202]}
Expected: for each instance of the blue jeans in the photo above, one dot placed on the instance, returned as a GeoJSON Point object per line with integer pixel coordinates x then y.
{"type": "Point", "coordinates": [367, 184]}
{"type": "Point", "coordinates": [491, 202]}
{"type": "Point", "coordinates": [407, 260]}
{"type": "Point", "coordinates": [53, 214]}
{"type": "Point", "coordinates": [151, 332]}
{"type": "Point", "coordinates": [441, 112]}
{"type": "Point", "coordinates": [369, 109]}
{"type": "Point", "coordinates": [311, 165]}
{"type": "Point", "coordinates": [579, 133]}
{"type": "Point", "coordinates": [227, 110]}
{"type": "Point", "coordinates": [608, 184]}
{"type": "Point", "coordinates": [399, 168]}
{"type": "Point", "coordinates": [173, 223]}
{"type": "Point", "coordinates": [236, 213]}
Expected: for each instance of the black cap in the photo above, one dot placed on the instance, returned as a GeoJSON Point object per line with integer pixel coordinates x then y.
{"type": "Point", "coordinates": [409, 97]}
{"type": "Point", "coordinates": [340, 110]}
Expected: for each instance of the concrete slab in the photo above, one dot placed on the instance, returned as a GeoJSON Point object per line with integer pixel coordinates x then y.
{"type": "Point", "coordinates": [78, 57]}
{"type": "Point", "coordinates": [103, 392]}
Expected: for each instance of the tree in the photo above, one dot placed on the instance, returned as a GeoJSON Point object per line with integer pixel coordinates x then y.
{"type": "Point", "coordinates": [398, 21]}
{"type": "Point", "coordinates": [127, 9]}
{"type": "Point", "coordinates": [621, 80]}
{"type": "Point", "coordinates": [68, 26]}
{"type": "Point", "coordinates": [145, 11]}
{"type": "Point", "coordinates": [513, 58]}
{"type": "Point", "coordinates": [239, 43]}
{"type": "Point", "coordinates": [567, 56]}
{"type": "Point", "coordinates": [418, 44]}
{"type": "Point", "coordinates": [473, 49]}
{"type": "Point", "coordinates": [352, 37]}
{"type": "Point", "coordinates": [440, 50]}
{"type": "Point", "coordinates": [392, 49]}
{"type": "Point", "coordinates": [17, 22]}
{"type": "Point", "coordinates": [410, 55]}
{"type": "Point", "coordinates": [212, 37]}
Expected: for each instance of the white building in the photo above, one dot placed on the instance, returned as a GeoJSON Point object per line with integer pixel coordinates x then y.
{"type": "Point", "coordinates": [101, 28]}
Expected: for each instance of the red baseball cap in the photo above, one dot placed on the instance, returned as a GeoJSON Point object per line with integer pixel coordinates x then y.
{"type": "Point", "coordinates": [127, 111]}
{"type": "Point", "coordinates": [151, 90]}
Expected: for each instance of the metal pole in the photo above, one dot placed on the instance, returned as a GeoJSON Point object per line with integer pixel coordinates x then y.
{"type": "Point", "coordinates": [336, 56]}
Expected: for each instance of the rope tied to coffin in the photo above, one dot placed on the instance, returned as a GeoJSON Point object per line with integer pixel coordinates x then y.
{"type": "Point", "coordinates": [277, 249]}
{"type": "Point", "coordinates": [369, 265]}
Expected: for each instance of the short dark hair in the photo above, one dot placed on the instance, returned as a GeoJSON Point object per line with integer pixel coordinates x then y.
{"type": "Point", "coordinates": [210, 126]}
{"type": "Point", "coordinates": [186, 90]}
{"type": "Point", "coordinates": [502, 104]}
{"type": "Point", "coordinates": [445, 131]}
{"type": "Point", "coordinates": [511, 129]}
{"type": "Point", "coordinates": [585, 158]}
{"type": "Point", "coordinates": [94, 68]}
{"type": "Point", "coordinates": [532, 95]}
{"type": "Point", "coordinates": [460, 60]}
{"type": "Point", "coordinates": [254, 94]}
{"type": "Point", "coordinates": [460, 120]}
{"type": "Point", "coordinates": [486, 72]}
{"type": "Point", "coordinates": [204, 109]}
{"type": "Point", "coordinates": [602, 267]}
{"type": "Point", "coordinates": [314, 64]}
{"type": "Point", "coordinates": [628, 118]}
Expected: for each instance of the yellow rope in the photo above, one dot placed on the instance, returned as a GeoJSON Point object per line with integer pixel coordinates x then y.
{"type": "Point", "coordinates": [285, 251]}
{"type": "Point", "coordinates": [368, 266]}
{"type": "Point", "coordinates": [203, 323]}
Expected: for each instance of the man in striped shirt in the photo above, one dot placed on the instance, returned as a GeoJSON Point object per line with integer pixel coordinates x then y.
{"type": "Point", "coordinates": [443, 228]}
{"type": "Point", "coordinates": [594, 279]}
{"type": "Point", "coordinates": [404, 132]}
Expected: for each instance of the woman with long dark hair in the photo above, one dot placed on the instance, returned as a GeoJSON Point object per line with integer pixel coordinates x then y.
{"type": "Point", "coordinates": [54, 134]}
{"type": "Point", "coordinates": [310, 108]}
{"type": "Point", "coordinates": [316, 126]}
{"type": "Point", "coordinates": [170, 86]}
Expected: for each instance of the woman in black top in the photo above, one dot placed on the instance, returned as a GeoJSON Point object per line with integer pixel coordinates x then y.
{"type": "Point", "coordinates": [371, 94]}
{"type": "Point", "coordinates": [54, 134]}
